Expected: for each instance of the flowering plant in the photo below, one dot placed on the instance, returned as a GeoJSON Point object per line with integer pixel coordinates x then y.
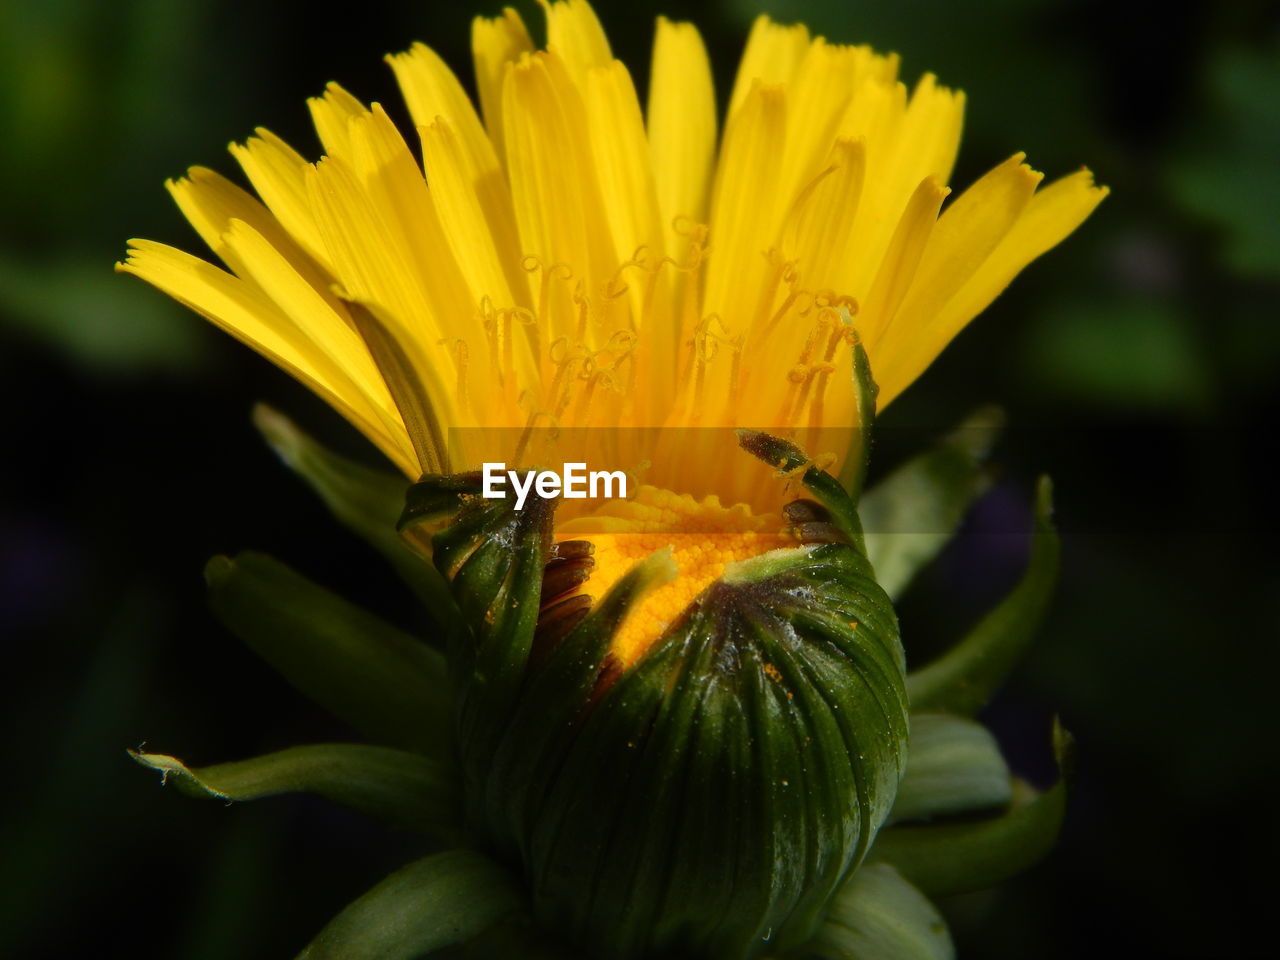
{"type": "Point", "coordinates": [658, 726]}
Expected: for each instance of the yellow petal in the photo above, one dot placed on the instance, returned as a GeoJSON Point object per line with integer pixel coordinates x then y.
{"type": "Point", "coordinates": [331, 113]}
{"type": "Point", "coordinates": [966, 234]}
{"type": "Point", "coordinates": [927, 139]}
{"type": "Point", "coordinates": [462, 218]}
{"type": "Point", "coordinates": [1051, 215]}
{"type": "Point", "coordinates": [338, 350]}
{"type": "Point", "coordinates": [681, 126]}
{"type": "Point", "coordinates": [210, 202]}
{"type": "Point", "coordinates": [819, 94]}
{"type": "Point", "coordinates": [743, 217]}
{"type": "Point", "coordinates": [574, 32]}
{"type": "Point", "coordinates": [371, 262]}
{"type": "Point", "coordinates": [622, 161]}
{"type": "Point", "coordinates": [469, 164]}
{"type": "Point", "coordinates": [820, 227]}
{"type": "Point", "coordinates": [247, 314]}
{"type": "Point", "coordinates": [278, 174]}
{"type": "Point", "coordinates": [907, 142]}
{"type": "Point", "coordinates": [892, 280]}
{"type": "Point", "coordinates": [373, 269]}
{"type": "Point", "coordinates": [419, 255]}
{"type": "Point", "coordinates": [482, 239]}
{"type": "Point", "coordinates": [772, 55]}
{"type": "Point", "coordinates": [897, 268]}
{"type": "Point", "coordinates": [432, 90]}
{"type": "Point", "coordinates": [874, 113]}
{"type": "Point", "coordinates": [495, 42]}
{"type": "Point", "coordinates": [554, 190]}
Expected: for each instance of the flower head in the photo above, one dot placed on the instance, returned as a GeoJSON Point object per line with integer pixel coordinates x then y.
{"type": "Point", "coordinates": [574, 259]}
{"type": "Point", "coordinates": [692, 759]}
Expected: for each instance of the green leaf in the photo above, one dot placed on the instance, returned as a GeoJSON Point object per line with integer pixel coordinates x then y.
{"type": "Point", "coordinates": [953, 766]}
{"type": "Point", "coordinates": [367, 502]}
{"type": "Point", "coordinates": [383, 682]}
{"type": "Point", "coordinates": [963, 679]}
{"type": "Point", "coordinates": [402, 789]}
{"type": "Point", "coordinates": [433, 903]}
{"type": "Point", "coordinates": [1224, 170]}
{"type": "Point", "coordinates": [94, 318]}
{"type": "Point", "coordinates": [949, 858]}
{"type": "Point", "coordinates": [878, 915]}
{"type": "Point", "coordinates": [1127, 354]}
{"type": "Point", "coordinates": [913, 513]}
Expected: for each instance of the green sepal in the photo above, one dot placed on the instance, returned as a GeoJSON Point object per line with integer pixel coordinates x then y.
{"type": "Point", "coordinates": [364, 500]}
{"type": "Point", "coordinates": [788, 459]}
{"type": "Point", "coordinates": [953, 766]}
{"type": "Point", "coordinates": [853, 473]}
{"type": "Point", "coordinates": [493, 556]}
{"type": "Point", "coordinates": [388, 685]}
{"type": "Point", "coordinates": [878, 915]}
{"type": "Point", "coordinates": [715, 792]}
{"type": "Point", "coordinates": [722, 788]}
{"type": "Point", "coordinates": [402, 789]}
{"type": "Point", "coordinates": [913, 513]}
{"type": "Point", "coordinates": [434, 903]}
{"type": "Point", "coordinates": [553, 701]}
{"type": "Point", "coordinates": [949, 858]}
{"type": "Point", "coordinates": [962, 680]}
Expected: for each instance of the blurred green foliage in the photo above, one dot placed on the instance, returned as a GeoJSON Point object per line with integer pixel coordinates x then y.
{"type": "Point", "coordinates": [1225, 171]}
{"type": "Point", "coordinates": [1137, 364]}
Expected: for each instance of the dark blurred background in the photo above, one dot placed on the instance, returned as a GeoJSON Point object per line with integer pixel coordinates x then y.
{"type": "Point", "coordinates": [1137, 364]}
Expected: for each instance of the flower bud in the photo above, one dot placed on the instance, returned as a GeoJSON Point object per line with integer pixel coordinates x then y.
{"type": "Point", "coordinates": [709, 799]}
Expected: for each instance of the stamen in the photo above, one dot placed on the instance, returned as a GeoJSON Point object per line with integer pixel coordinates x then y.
{"type": "Point", "coordinates": [489, 322]}
{"type": "Point", "coordinates": [573, 356]}
{"type": "Point", "coordinates": [522, 445]}
{"type": "Point", "coordinates": [529, 322]}
{"type": "Point", "coordinates": [462, 359]}
{"type": "Point", "coordinates": [706, 346]}
{"type": "Point", "coordinates": [504, 337]}
{"type": "Point", "coordinates": [533, 264]}
{"type": "Point", "coordinates": [580, 300]}
{"type": "Point", "coordinates": [616, 286]}
{"type": "Point", "coordinates": [686, 226]}
{"type": "Point", "coordinates": [823, 375]}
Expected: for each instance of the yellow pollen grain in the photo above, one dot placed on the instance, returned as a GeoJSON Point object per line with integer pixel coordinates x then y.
{"type": "Point", "coordinates": [704, 537]}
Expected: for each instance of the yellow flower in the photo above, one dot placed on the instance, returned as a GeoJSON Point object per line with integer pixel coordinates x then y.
{"type": "Point", "coordinates": [571, 260]}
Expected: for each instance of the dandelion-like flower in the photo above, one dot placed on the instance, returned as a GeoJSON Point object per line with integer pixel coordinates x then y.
{"type": "Point", "coordinates": [572, 260]}
{"type": "Point", "coordinates": [563, 259]}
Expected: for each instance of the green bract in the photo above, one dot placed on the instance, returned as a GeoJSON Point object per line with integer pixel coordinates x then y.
{"type": "Point", "coordinates": [708, 801]}
{"type": "Point", "coordinates": [766, 781]}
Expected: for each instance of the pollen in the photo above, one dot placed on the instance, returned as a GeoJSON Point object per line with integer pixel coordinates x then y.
{"type": "Point", "coordinates": [704, 537]}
